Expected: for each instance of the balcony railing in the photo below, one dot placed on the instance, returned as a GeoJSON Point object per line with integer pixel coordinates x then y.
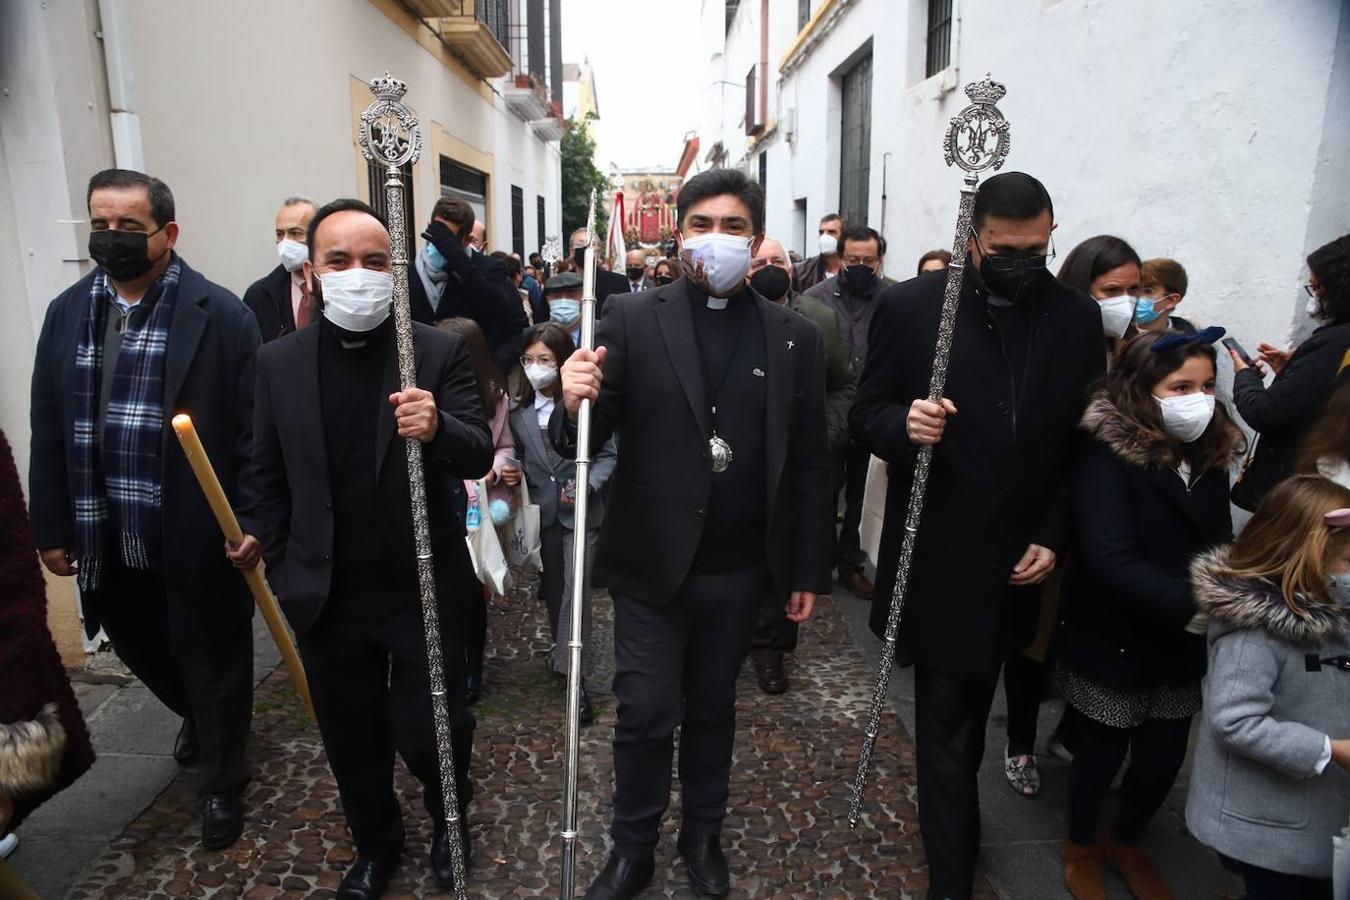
{"type": "Point", "coordinates": [478, 30]}
{"type": "Point", "coordinates": [527, 89]}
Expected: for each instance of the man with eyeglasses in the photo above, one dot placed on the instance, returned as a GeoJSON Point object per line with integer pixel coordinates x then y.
{"type": "Point", "coordinates": [852, 294]}
{"type": "Point", "coordinates": [1025, 351]}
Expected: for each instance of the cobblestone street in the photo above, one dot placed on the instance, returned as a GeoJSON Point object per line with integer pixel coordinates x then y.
{"type": "Point", "coordinates": [786, 831]}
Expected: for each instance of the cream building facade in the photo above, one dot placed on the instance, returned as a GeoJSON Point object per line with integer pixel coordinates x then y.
{"type": "Point", "coordinates": [237, 105]}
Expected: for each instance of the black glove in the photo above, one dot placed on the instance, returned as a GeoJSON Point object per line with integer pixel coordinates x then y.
{"type": "Point", "coordinates": [444, 240]}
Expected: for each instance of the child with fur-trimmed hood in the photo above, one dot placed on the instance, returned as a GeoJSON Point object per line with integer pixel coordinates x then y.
{"type": "Point", "coordinates": [1270, 784]}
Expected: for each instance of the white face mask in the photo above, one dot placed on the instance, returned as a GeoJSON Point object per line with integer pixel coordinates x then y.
{"type": "Point", "coordinates": [1117, 313]}
{"type": "Point", "coordinates": [725, 259]}
{"type": "Point", "coordinates": [540, 375]}
{"type": "Point", "coordinates": [1311, 307]}
{"type": "Point", "coordinates": [292, 254]}
{"type": "Point", "coordinates": [829, 244]}
{"type": "Point", "coordinates": [356, 299]}
{"type": "Point", "coordinates": [1186, 417]}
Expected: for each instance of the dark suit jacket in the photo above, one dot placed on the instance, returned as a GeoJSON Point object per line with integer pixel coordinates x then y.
{"type": "Point", "coordinates": [479, 289]}
{"type": "Point", "coordinates": [1000, 475]}
{"type": "Point", "coordinates": [653, 394]}
{"type": "Point", "coordinates": [607, 283]}
{"type": "Point", "coordinates": [270, 299]}
{"type": "Point", "coordinates": [290, 467]}
{"type": "Point", "coordinates": [208, 373]}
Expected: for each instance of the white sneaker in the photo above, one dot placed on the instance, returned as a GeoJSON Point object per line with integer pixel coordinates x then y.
{"type": "Point", "coordinates": [7, 844]}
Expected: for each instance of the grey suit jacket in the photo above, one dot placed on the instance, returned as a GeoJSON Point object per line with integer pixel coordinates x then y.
{"type": "Point", "coordinates": [546, 472]}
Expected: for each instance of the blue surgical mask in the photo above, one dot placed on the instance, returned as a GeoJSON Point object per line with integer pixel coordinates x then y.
{"type": "Point", "coordinates": [564, 312]}
{"type": "Point", "coordinates": [1145, 311]}
{"type": "Point", "coordinates": [434, 258]}
{"type": "Point", "coordinates": [1340, 588]}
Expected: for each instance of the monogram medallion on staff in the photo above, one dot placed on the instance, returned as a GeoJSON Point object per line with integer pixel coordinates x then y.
{"type": "Point", "coordinates": [390, 134]}
{"type": "Point", "coordinates": [977, 138]}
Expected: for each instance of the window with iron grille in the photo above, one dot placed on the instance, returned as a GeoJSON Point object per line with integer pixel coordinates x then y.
{"type": "Point", "coordinates": [518, 221]}
{"type": "Point", "coordinates": [540, 221]}
{"type": "Point", "coordinates": [375, 178]}
{"type": "Point", "coordinates": [462, 179]}
{"type": "Point", "coordinates": [939, 36]}
{"type": "Point", "coordinates": [752, 122]}
{"type": "Point", "coordinates": [535, 40]}
{"type": "Point", "coordinates": [855, 141]}
{"type": "Point", "coordinates": [496, 15]}
{"type": "Point", "coordinates": [732, 6]}
{"type": "Point", "coordinates": [803, 13]}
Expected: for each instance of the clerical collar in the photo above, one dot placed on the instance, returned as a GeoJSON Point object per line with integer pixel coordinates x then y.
{"type": "Point", "coordinates": [355, 340]}
{"type": "Point", "coordinates": [718, 302]}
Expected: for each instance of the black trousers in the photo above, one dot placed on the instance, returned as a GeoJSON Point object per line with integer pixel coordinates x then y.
{"type": "Point", "coordinates": [212, 683]}
{"type": "Point", "coordinates": [849, 555]}
{"type": "Point", "coordinates": [1157, 750]}
{"type": "Point", "coordinates": [676, 665]}
{"type": "Point", "coordinates": [1264, 884]}
{"type": "Point", "coordinates": [366, 659]}
{"type": "Point", "coordinates": [774, 631]}
{"type": "Point", "coordinates": [1023, 686]}
{"type": "Point", "coordinates": [949, 721]}
{"type": "Point", "coordinates": [551, 576]}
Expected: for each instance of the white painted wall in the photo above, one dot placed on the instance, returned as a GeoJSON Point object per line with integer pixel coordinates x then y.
{"type": "Point", "coordinates": [1213, 131]}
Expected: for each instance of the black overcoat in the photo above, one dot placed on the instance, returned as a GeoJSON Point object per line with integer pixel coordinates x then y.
{"type": "Point", "coordinates": [999, 476]}
{"type": "Point", "coordinates": [208, 373]}
{"type": "Point", "coordinates": [270, 299]}
{"type": "Point", "coordinates": [478, 288]}
{"type": "Point", "coordinates": [1126, 598]}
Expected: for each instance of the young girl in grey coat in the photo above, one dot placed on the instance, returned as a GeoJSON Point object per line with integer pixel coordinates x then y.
{"type": "Point", "coordinates": [1270, 784]}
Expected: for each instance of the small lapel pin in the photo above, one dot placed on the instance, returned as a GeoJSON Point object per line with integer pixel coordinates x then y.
{"type": "Point", "coordinates": [791, 344]}
{"type": "Point", "coordinates": [758, 371]}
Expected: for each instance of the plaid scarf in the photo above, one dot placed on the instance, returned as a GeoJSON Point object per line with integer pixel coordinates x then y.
{"type": "Point", "coordinates": [117, 472]}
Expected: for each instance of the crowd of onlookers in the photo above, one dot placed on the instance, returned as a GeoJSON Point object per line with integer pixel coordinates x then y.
{"type": "Point", "coordinates": [1148, 611]}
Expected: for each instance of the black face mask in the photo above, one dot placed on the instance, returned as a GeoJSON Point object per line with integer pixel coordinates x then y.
{"type": "Point", "coordinates": [635, 273]}
{"type": "Point", "coordinates": [1010, 284]}
{"type": "Point", "coordinates": [122, 254]}
{"type": "Point", "coordinates": [664, 279]}
{"type": "Point", "coordinates": [579, 257]}
{"type": "Point", "coordinates": [771, 283]}
{"type": "Point", "coordinates": [860, 279]}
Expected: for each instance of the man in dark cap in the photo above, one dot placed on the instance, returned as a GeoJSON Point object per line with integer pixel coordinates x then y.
{"type": "Point", "coordinates": [562, 293]}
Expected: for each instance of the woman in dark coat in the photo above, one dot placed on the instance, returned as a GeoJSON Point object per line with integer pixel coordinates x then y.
{"type": "Point", "coordinates": [44, 745]}
{"type": "Point", "coordinates": [1150, 492]}
{"type": "Point", "coordinates": [1283, 413]}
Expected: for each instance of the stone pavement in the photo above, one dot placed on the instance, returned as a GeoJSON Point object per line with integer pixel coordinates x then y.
{"type": "Point", "coordinates": [786, 830]}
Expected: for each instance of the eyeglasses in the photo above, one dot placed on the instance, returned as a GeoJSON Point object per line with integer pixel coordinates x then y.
{"type": "Point", "coordinates": [1013, 260]}
{"type": "Point", "coordinates": [860, 261]}
{"type": "Point", "coordinates": [541, 360]}
{"type": "Point", "coordinates": [1312, 292]}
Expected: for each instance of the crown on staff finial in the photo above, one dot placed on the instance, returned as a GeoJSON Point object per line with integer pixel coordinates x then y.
{"type": "Point", "coordinates": [388, 88]}
{"type": "Point", "coordinates": [986, 91]}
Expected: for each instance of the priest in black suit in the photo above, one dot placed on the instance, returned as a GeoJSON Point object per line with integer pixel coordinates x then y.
{"type": "Point", "coordinates": [721, 495]}
{"type": "Point", "coordinates": [279, 300]}
{"type": "Point", "coordinates": [335, 521]}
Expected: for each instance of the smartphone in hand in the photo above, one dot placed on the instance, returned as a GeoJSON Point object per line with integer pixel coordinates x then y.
{"type": "Point", "coordinates": [1232, 344]}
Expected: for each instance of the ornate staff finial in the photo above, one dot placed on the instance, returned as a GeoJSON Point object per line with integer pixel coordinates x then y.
{"type": "Point", "coordinates": [590, 221]}
{"type": "Point", "coordinates": [977, 138]}
{"type": "Point", "coordinates": [390, 135]}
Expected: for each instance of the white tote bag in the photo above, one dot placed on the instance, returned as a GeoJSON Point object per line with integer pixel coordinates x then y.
{"type": "Point", "coordinates": [520, 534]}
{"type": "Point", "coordinates": [485, 548]}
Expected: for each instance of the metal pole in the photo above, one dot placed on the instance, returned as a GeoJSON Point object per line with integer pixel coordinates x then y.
{"type": "Point", "coordinates": [977, 139]}
{"type": "Point", "coordinates": [583, 475]}
{"type": "Point", "coordinates": [390, 136]}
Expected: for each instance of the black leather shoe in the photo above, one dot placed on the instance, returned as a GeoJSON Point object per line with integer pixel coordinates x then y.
{"type": "Point", "coordinates": [587, 715]}
{"type": "Point", "coordinates": [769, 669]}
{"type": "Point", "coordinates": [185, 748]}
{"type": "Point", "coordinates": [367, 879]}
{"type": "Point", "coordinates": [622, 879]}
{"type": "Point", "coordinates": [706, 864]}
{"type": "Point", "coordinates": [441, 862]}
{"type": "Point", "coordinates": [222, 820]}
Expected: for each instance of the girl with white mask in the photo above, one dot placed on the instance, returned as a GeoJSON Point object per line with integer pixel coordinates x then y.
{"type": "Point", "coordinates": [1150, 491]}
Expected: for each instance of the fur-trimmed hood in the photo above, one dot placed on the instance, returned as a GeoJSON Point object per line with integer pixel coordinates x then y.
{"type": "Point", "coordinates": [1133, 441]}
{"type": "Point", "coordinates": [1241, 603]}
{"type": "Point", "coordinates": [31, 752]}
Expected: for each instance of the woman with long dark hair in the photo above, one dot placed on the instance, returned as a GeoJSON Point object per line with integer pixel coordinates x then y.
{"type": "Point", "coordinates": [1106, 268]}
{"type": "Point", "coordinates": [1149, 493]}
{"type": "Point", "coordinates": [1283, 413]}
{"type": "Point", "coordinates": [492, 392]}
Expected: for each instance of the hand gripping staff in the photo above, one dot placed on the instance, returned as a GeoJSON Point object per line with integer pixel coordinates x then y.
{"type": "Point", "coordinates": [583, 476]}
{"type": "Point", "coordinates": [977, 139]}
{"type": "Point", "coordinates": [391, 137]}
{"type": "Point", "coordinates": [257, 585]}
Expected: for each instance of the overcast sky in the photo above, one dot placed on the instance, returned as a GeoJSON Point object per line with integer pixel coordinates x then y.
{"type": "Point", "coordinates": [640, 51]}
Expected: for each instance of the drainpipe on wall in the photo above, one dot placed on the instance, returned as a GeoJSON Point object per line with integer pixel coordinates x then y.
{"type": "Point", "coordinates": [126, 123]}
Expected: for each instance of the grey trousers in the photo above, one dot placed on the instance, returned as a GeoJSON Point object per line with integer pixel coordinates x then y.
{"type": "Point", "coordinates": [556, 550]}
